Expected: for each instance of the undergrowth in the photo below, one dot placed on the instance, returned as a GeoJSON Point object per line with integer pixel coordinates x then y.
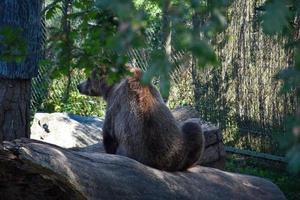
{"type": "Point", "coordinates": [275, 172]}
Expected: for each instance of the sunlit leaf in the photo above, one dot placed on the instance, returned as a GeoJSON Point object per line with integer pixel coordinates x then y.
{"type": "Point", "coordinates": [52, 11]}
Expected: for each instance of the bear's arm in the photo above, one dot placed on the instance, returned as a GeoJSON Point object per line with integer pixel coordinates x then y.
{"type": "Point", "coordinates": [109, 142]}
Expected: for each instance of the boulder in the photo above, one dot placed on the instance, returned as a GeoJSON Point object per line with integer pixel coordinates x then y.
{"type": "Point", "coordinates": [66, 130]}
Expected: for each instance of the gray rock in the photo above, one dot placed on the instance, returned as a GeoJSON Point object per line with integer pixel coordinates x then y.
{"type": "Point", "coordinates": [66, 130]}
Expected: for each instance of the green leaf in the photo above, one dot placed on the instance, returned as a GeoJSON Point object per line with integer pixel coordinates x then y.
{"type": "Point", "coordinates": [52, 11]}
{"type": "Point", "coordinates": [275, 18]}
{"type": "Point", "coordinates": [216, 25]}
{"type": "Point", "coordinates": [183, 37]}
{"type": "Point", "coordinates": [290, 77]}
{"type": "Point", "coordinates": [44, 62]}
{"type": "Point", "coordinates": [122, 8]}
{"type": "Point", "coordinates": [204, 52]}
{"type": "Point", "coordinates": [81, 4]}
{"type": "Point", "coordinates": [148, 75]}
{"type": "Point", "coordinates": [164, 86]}
{"type": "Point", "coordinates": [12, 44]}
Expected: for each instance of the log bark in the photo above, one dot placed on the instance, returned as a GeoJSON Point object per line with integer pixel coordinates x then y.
{"type": "Point", "coordinates": [14, 108]}
{"type": "Point", "coordinates": [22, 179]}
{"type": "Point", "coordinates": [104, 176]}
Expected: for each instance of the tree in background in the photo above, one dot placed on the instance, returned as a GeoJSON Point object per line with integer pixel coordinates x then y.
{"type": "Point", "coordinates": [20, 51]}
{"type": "Point", "coordinates": [283, 18]}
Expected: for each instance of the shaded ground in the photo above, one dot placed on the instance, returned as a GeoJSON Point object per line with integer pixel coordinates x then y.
{"type": "Point", "coordinates": [276, 172]}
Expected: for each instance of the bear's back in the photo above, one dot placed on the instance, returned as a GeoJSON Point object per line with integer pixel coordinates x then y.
{"type": "Point", "coordinates": [143, 125]}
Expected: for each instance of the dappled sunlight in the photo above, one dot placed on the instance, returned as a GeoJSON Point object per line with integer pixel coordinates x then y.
{"type": "Point", "coordinates": [248, 184]}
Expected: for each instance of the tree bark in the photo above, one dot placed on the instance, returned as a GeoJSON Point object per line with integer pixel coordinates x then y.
{"type": "Point", "coordinates": [14, 108]}
{"type": "Point", "coordinates": [67, 49]}
{"type": "Point", "coordinates": [15, 77]}
{"type": "Point", "coordinates": [166, 29]}
{"type": "Point", "coordinates": [25, 180]}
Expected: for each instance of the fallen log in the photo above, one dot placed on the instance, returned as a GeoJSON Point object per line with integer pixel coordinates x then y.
{"type": "Point", "coordinates": [87, 175]}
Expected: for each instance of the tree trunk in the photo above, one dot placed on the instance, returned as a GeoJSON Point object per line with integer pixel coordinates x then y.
{"type": "Point", "coordinates": [166, 29]}
{"type": "Point", "coordinates": [14, 108]}
{"type": "Point", "coordinates": [15, 77]}
{"type": "Point", "coordinates": [67, 48]}
{"type": "Point", "coordinates": [196, 22]}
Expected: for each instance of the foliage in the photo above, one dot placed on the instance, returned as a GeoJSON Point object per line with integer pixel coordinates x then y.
{"type": "Point", "coordinates": [76, 103]}
{"type": "Point", "coordinates": [181, 92]}
{"type": "Point", "coordinates": [283, 18]}
{"type": "Point", "coordinates": [275, 18]}
{"type": "Point", "coordinates": [12, 44]}
{"type": "Point", "coordinates": [93, 33]}
{"type": "Point", "coordinates": [152, 10]}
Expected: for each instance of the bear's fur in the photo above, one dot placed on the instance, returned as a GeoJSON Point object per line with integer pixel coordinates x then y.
{"type": "Point", "coordinates": [139, 125]}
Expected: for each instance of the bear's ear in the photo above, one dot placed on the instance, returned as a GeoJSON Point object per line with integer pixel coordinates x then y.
{"type": "Point", "coordinates": [136, 72]}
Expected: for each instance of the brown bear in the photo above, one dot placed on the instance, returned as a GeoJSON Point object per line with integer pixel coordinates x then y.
{"type": "Point", "coordinates": [140, 126]}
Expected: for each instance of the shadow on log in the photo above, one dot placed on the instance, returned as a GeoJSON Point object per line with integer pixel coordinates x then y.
{"type": "Point", "coordinates": [103, 176]}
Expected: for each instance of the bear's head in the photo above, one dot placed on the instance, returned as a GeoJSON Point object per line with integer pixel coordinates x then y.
{"type": "Point", "coordinates": [96, 84]}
